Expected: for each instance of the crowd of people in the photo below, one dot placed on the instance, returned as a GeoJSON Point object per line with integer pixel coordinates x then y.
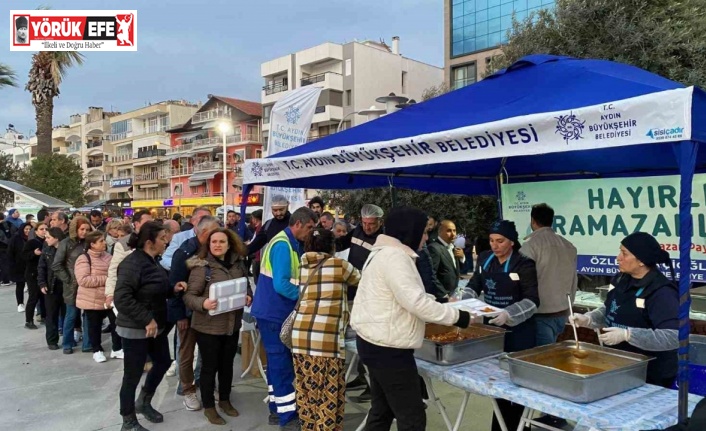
{"type": "Point", "coordinates": [318, 282]}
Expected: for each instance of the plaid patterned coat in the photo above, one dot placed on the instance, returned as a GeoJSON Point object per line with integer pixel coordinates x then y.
{"type": "Point", "coordinates": [320, 326]}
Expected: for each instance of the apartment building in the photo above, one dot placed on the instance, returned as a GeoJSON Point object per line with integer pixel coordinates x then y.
{"type": "Point", "coordinates": [83, 141]}
{"type": "Point", "coordinates": [136, 162]}
{"type": "Point", "coordinates": [352, 75]}
{"type": "Point", "coordinates": [196, 159]}
{"type": "Point", "coordinates": [18, 145]}
{"type": "Point", "coordinates": [474, 31]}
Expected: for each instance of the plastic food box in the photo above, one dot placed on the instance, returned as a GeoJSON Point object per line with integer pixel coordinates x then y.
{"type": "Point", "coordinates": [230, 295]}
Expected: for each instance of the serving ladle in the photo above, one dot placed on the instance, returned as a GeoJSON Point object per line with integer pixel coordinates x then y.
{"type": "Point", "coordinates": [578, 353]}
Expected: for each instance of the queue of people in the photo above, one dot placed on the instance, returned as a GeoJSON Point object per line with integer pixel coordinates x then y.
{"type": "Point", "coordinates": [147, 278]}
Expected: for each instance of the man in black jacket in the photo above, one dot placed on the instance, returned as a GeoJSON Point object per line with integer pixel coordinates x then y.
{"type": "Point", "coordinates": [360, 241]}
{"type": "Point", "coordinates": [273, 226]}
{"type": "Point", "coordinates": [446, 260]}
{"type": "Point", "coordinates": [6, 232]}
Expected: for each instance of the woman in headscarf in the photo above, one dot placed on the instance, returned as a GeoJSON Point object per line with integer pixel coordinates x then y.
{"type": "Point", "coordinates": [389, 315]}
{"type": "Point", "coordinates": [508, 280]}
{"type": "Point", "coordinates": [641, 311]}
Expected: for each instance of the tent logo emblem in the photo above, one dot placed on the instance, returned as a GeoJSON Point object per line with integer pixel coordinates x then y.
{"type": "Point", "coordinates": [256, 169]}
{"type": "Point", "coordinates": [293, 114]}
{"type": "Point", "coordinates": [570, 127]}
{"type": "Point", "coordinates": [521, 196]}
{"type": "Point", "coordinates": [660, 134]}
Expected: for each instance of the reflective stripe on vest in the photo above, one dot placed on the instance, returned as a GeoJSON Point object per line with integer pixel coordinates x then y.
{"type": "Point", "coordinates": [266, 265]}
{"type": "Point", "coordinates": [360, 242]}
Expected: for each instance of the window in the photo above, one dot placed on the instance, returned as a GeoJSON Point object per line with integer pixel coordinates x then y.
{"type": "Point", "coordinates": [349, 67]}
{"type": "Point", "coordinates": [404, 82]}
{"type": "Point", "coordinates": [156, 124]}
{"type": "Point", "coordinates": [477, 25]}
{"type": "Point", "coordinates": [463, 75]}
{"type": "Point", "coordinates": [194, 190]}
{"type": "Point", "coordinates": [349, 97]}
{"type": "Point", "coordinates": [266, 112]}
{"type": "Point", "coordinates": [120, 130]}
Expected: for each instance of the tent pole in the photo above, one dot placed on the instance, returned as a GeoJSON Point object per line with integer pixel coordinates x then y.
{"type": "Point", "coordinates": [499, 194]}
{"type": "Point", "coordinates": [687, 162]}
{"type": "Point", "coordinates": [393, 192]}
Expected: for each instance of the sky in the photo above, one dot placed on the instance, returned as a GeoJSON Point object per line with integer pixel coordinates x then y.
{"type": "Point", "coordinates": [188, 49]}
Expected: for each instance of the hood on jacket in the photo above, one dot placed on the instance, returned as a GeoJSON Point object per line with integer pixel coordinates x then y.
{"type": "Point", "coordinates": [311, 259]}
{"type": "Point", "coordinates": [196, 261]}
{"type": "Point", "coordinates": [73, 227]}
{"type": "Point", "coordinates": [388, 241]}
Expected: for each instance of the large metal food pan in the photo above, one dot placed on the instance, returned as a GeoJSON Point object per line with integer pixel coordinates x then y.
{"type": "Point", "coordinates": [615, 371]}
{"type": "Point", "coordinates": [489, 341]}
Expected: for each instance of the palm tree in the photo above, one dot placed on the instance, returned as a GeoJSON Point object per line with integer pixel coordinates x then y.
{"type": "Point", "coordinates": [45, 76]}
{"type": "Point", "coordinates": [7, 76]}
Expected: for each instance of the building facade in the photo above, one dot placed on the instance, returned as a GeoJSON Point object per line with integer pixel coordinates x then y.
{"type": "Point", "coordinates": [474, 30]}
{"type": "Point", "coordinates": [352, 75]}
{"type": "Point", "coordinates": [137, 166]}
{"type": "Point", "coordinates": [83, 140]}
{"type": "Point", "coordinates": [196, 159]}
{"type": "Point", "coordinates": [18, 145]}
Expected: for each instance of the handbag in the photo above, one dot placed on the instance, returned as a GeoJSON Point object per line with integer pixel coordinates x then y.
{"type": "Point", "coordinates": [285, 334]}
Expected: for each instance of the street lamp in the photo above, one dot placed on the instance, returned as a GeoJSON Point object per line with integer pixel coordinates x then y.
{"type": "Point", "coordinates": [372, 113]}
{"type": "Point", "coordinates": [225, 128]}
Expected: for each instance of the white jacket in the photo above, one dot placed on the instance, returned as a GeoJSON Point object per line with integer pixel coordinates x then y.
{"type": "Point", "coordinates": [120, 252]}
{"type": "Point", "coordinates": [391, 307]}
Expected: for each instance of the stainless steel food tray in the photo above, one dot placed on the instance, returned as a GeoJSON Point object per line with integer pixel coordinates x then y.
{"type": "Point", "coordinates": [629, 371]}
{"type": "Point", "coordinates": [698, 299]}
{"type": "Point", "coordinates": [489, 344]}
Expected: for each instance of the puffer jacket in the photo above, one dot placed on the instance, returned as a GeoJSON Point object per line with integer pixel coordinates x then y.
{"type": "Point", "coordinates": [197, 293]}
{"type": "Point", "coordinates": [91, 276]}
{"type": "Point", "coordinates": [120, 251]}
{"type": "Point", "coordinates": [45, 275]}
{"type": "Point", "coordinates": [65, 260]}
{"type": "Point", "coordinates": [141, 291]}
{"type": "Point", "coordinates": [391, 307]}
{"type": "Point", "coordinates": [32, 260]}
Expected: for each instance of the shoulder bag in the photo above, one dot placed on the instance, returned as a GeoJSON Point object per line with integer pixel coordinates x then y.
{"type": "Point", "coordinates": [285, 334]}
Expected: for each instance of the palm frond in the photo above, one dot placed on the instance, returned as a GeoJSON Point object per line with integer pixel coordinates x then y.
{"type": "Point", "coordinates": [7, 76]}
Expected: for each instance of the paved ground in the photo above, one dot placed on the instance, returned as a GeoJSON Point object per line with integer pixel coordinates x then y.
{"type": "Point", "coordinates": [42, 390]}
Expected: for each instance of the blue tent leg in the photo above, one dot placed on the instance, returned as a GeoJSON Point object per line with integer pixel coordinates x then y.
{"type": "Point", "coordinates": [247, 188]}
{"type": "Point", "coordinates": [687, 163]}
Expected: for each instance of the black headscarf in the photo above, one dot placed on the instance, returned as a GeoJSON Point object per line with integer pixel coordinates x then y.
{"type": "Point", "coordinates": [407, 224]}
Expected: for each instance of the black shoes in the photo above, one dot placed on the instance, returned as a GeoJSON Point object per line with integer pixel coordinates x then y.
{"type": "Point", "coordinates": [30, 325]}
{"type": "Point", "coordinates": [53, 347]}
{"type": "Point", "coordinates": [130, 423]}
{"type": "Point", "coordinates": [143, 405]}
{"type": "Point", "coordinates": [273, 419]}
{"type": "Point", "coordinates": [68, 351]}
{"type": "Point", "coordinates": [358, 382]}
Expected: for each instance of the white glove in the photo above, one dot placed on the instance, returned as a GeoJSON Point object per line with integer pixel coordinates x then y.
{"type": "Point", "coordinates": [580, 320]}
{"type": "Point", "coordinates": [612, 336]}
{"type": "Point", "coordinates": [501, 319]}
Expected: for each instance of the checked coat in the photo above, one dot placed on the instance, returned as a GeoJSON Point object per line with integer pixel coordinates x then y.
{"type": "Point", "coordinates": [320, 325]}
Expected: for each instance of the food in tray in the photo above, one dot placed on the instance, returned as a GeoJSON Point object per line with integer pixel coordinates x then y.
{"type": "Point", "coordinates": [487, 310]}
{"type": "Point", "coordinates": [453, 336]}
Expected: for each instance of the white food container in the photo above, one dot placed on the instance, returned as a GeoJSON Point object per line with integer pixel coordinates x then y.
{"type": "Point", "coordinates": [230, 295]}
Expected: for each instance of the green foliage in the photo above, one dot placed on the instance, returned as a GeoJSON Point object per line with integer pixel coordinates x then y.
{"type": "Point", "coordinates": [662, 36]}
{"type": "Point", "coordinates": [7, 76]}
{"type": "Point", "coordinates": [56, 175]}
{"type": "Point", "coordinates": [8, 172]}
{"type": "Point", "coordinates": [473, 215]}
{"type": "Point", "coordinates": [435, 90]}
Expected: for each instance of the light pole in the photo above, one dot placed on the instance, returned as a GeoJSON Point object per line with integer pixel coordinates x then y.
{"type": "Point", "coordinates": [225, 127]}
{"type": "Point", "coordinates": [372, 113]}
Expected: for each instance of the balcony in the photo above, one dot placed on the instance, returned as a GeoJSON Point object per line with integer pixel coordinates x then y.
{"type": "Point", "coordinates": [238, 138]}
{"type": "Point", "coordinates": [94, 163]}
{"type": "Point", "coordinates": [208, 143]}
{"type": "Point", "coordinates": [184, 170]}
{"type": "Point", "coordinates": [119, 136]}
{"type": "Point", "coordinates": [211, 115]}
{"type": "Point", "coordinates": [180, 149]}
{"type": "Point", "coordinates": [275, 87]}
{"type": "Point", "coordinates": [151, 177]}
{"type": "Point", "coordinates": [94, 184]}
{"type": "Point", "coordinates": [73, 148]}
{"type": "Point", "coordinates": [119, 158]}
{"type": "Point", "coordinates": [238, 170]}
{"type": "Point", "coordinates": [151, 153]}
{"type": "Point", "coordinates": [94, 144]}
{"type": "Point", "coordinates": [330, 80]}
{"type": "Point", "coordinates": [208, 166]}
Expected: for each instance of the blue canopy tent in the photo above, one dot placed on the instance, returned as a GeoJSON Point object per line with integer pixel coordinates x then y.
{"type": "Point", "coordinates": [543, 118]}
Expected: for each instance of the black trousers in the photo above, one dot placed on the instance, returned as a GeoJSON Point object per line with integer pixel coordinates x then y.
{"type": "Point", "coordinates": [136, 351]}
{"type": "Point", "coordinates": [53, 302]}
{"type": "Point", "coordinates": [4, 267]}
{"type": "Point", "coordinates": [512, 413]}
{"type": "Point", "coordinates": [20, 290]}
{"type": "Point", "coordinates": [32, 296]}
{"type": "Point", "coordinates": [217, 355]}
{"type": "Point", "coordinates": [396, 394]}
{"type": "Point", "coordinates": [95, 326]}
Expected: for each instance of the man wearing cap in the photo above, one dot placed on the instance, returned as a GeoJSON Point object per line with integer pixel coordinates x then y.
{"type": "Point", "coordinates": [273, 226]}
{"type": "Point", "coordinates": [360, 241]}
{"type": "Point", "coordinates": [641, 311]}
{"type": "Point", "coordinates": [21, 26]}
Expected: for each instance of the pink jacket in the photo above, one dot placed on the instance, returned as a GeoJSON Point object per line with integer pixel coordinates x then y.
{"type": "Point", "coordinates": [91, 280]}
